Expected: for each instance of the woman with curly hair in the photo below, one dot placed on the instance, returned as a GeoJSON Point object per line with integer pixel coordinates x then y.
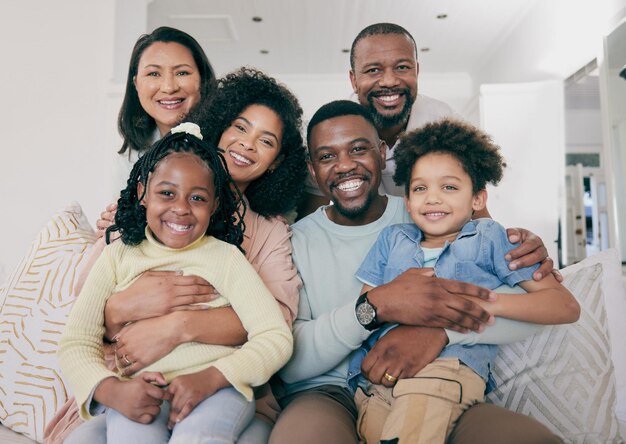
{"type": "Point", "coordinates": [256, 121]}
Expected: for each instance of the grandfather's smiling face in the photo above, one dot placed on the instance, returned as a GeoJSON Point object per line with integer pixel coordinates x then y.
{"type": "Point", "coordinates": [385, 77]}
{"type": "Point", "coordinates": [346, 159]}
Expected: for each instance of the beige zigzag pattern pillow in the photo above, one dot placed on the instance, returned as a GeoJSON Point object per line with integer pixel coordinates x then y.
{"type": "Point", "coordinates": [563, 376]}
{"type": "Point", "coordinates": [34, 306]}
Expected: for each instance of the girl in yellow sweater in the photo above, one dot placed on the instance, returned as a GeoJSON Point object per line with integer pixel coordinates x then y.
{"type": "Point", "coordinates": [176, 213]}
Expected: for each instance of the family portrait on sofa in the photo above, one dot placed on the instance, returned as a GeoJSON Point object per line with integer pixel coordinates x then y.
{"type": "Point", "coordinates": [264, 271]}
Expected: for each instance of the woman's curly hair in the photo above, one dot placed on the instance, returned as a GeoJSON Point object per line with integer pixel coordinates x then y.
{"type": "Point", "coordinates": [226, 222]}
{"type": "Point", "coordinates": [474, 149]}
{"type": "Point", "coordinates": [275, 192]}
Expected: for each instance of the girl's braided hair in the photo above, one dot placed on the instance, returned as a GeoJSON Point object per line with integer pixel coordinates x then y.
{"type": "Point", "coordinates": [227, 220]}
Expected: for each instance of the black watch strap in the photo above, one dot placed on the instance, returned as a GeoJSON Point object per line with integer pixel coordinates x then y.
{"type": "Point", "coordinates": [366, 313]}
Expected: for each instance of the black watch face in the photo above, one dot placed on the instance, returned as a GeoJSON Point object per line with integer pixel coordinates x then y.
{"type": "Point", "coordinates": [365, 313]}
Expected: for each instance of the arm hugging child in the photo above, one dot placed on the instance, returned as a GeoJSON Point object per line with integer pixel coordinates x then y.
{"type": "Point", "coordinates": [445, 168]}
{"type": "Point", "coordinates": [179, 211]}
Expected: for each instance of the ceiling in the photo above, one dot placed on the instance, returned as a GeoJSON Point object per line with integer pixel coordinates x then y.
{"type": "Point", "coordinates": [308, 37]}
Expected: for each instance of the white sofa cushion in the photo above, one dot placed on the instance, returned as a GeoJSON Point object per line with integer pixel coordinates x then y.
{"type": "Point", "coordinates": [563, 376]}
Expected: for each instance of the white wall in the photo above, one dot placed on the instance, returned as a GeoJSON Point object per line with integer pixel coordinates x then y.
{"type": "Point", "coordinates": [617, 148]}
{"type": "Point", "coordinates": [554, 40]}
{"type": "Point", "coordinates": [617, 87]}
{"type": "Point", "coordinates": [315, 91]}
{"type": "Point", "coordinates": [583, 131]}
{"type": "Point", "coordinates": [526, 120]}
{"type": "Point", "coordinates": [55, 71]}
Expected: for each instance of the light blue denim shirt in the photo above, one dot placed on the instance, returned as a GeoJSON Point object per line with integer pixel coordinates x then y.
{"type": "Point", "coordinates": [476, 257]}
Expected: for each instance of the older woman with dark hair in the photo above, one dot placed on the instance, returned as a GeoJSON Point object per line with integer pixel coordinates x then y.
{"type": "Point", "coordinates": [142, 113]}
{"type": "Point", "coordinates": [256, 122]}
{"type": "Point", "coordinates": [168, 74]}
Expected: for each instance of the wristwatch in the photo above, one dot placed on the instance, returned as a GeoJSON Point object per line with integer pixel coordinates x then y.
{"type": "Point", "coordinates": [366, 313]}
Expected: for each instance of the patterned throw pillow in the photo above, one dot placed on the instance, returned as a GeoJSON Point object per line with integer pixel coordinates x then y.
{"type": "Point", "coordinates": [563, 376]}
{"type": "Point", "coordinates": [34, 306]}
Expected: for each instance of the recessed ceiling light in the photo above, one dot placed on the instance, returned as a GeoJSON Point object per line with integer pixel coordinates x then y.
{"type": "Point", "coordinates": [442, 16]}
{"type": "Point", "coordinates": [425, 49]}
{"type": "Point", "coordinates": [345, 50]}
{"type": "Point", "coordinates": [264, 51]}
{"type": "Point", "coordinates": [257, 19]}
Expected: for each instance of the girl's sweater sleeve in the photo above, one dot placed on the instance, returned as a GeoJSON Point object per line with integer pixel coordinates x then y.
{"type": "Point", "coordinates": [270, 342]}
{"type": "Point", "coordinates": [81, 351]}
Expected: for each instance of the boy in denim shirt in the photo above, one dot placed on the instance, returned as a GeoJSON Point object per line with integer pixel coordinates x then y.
{"type": "Point", "coordinates": [444, 168]}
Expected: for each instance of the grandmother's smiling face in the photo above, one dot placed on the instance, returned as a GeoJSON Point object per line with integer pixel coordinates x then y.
{"type": "Point", "coordinates": [167, 83]}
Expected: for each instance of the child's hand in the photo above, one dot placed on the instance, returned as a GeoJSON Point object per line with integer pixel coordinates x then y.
{"type": "Point", "coordinates": [139, 399]}
{"type": "Point", "coordinates": [187, 391]}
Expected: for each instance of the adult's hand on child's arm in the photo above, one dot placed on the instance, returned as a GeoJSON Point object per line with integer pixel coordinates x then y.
{"type": "Point", "coordinates": [415, 299]}
{"type": "Point", "coordinates": [403, 352]}
{"type": "Point", "coordinates": [155, 293]}
{"type": "Point", "coordinates": [138, 399]}
{"type": "Point", "coordinates": [107, 218]}
{"type": "Point", "coordinates": [187, 391]}
{"type": "Point", "coordinates": [531, 251]}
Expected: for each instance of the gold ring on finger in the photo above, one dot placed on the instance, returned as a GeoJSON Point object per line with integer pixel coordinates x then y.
{"type": "Point", "coordinates": [390, 378]}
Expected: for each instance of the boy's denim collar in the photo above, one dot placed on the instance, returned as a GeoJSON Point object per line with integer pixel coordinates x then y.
{"type": "Point", "coordinates": [415, 234]}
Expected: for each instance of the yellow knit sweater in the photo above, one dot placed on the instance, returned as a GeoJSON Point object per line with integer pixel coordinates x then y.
{"type": "Point", "coordinates": [269, 343]}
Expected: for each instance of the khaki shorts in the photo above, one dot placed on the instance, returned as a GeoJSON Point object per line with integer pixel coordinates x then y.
{"type": "Point", "coordinates": [421, 409]}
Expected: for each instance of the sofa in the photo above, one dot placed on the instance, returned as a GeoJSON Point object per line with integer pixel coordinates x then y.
{"type": "Point", "coordinates": [571, 377]}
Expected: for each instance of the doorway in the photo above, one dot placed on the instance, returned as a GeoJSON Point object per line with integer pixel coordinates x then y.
{"type": "Point", "coordinates": [586, 213]}
{"type": "Point", "coordinates": [613, 100]}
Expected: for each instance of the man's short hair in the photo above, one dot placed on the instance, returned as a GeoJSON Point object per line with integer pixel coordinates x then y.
{"type": "Point", "coordinates": [380, 29]}
{"type": "Point", "coordinates": [334, 109]}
